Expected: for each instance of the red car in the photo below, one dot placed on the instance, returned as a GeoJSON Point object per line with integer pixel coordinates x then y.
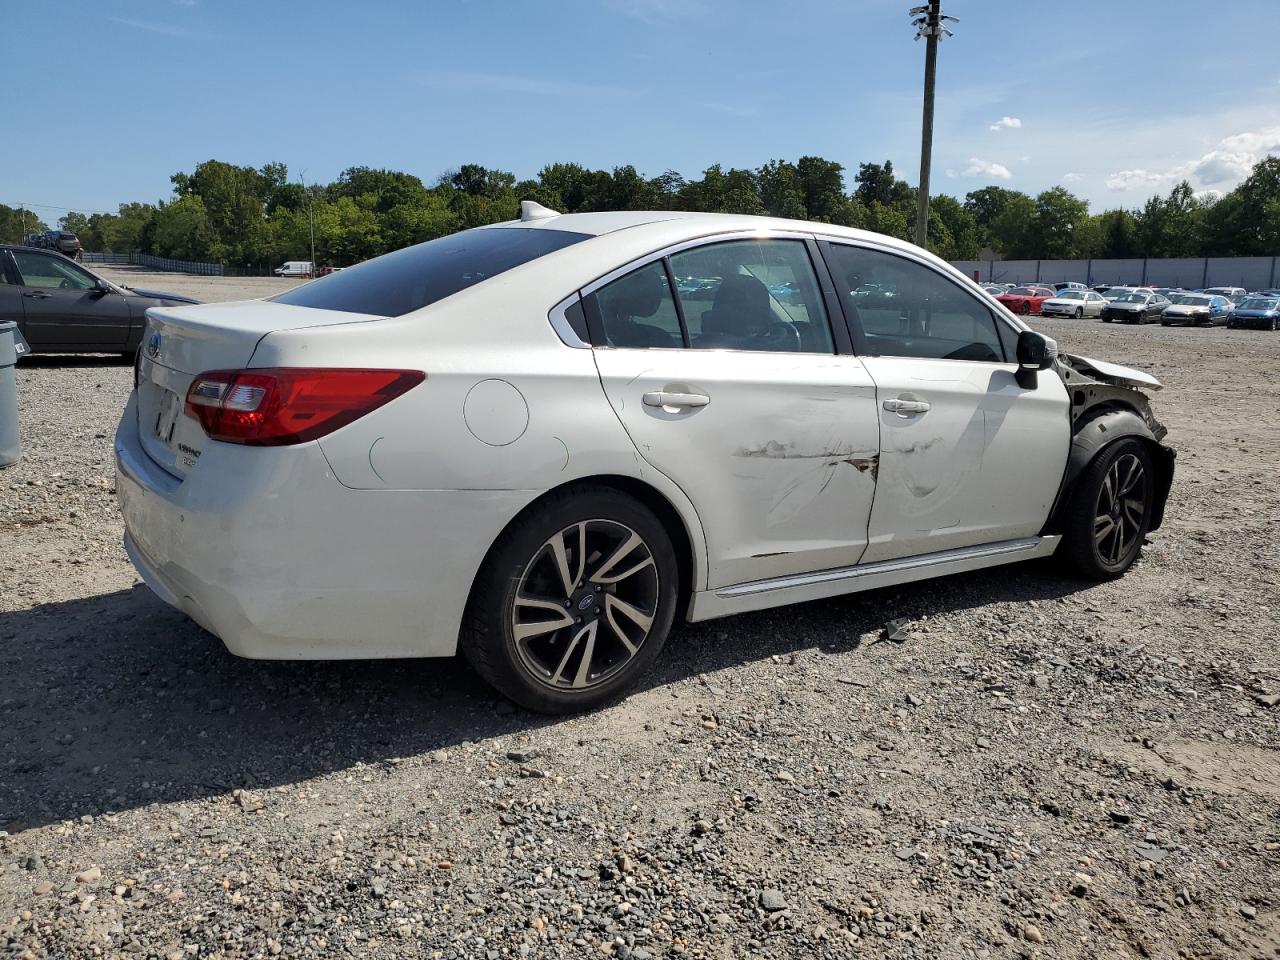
{"type": "Point", "coordinates": [1026, 300]}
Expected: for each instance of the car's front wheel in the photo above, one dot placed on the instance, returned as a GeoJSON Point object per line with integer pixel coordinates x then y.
{"type": "Point", "coordinates": [1079, 313]}
{"type": "Point", "coordinates": [574, 601]}
{"type": "Point", "coordinates": [1110, 510]}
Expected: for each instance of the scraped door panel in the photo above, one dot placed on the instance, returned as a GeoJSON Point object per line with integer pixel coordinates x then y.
{"type": "Point", "coordinates": [980, 465]}
{"type": "Point", "coordinates": [780, 462]}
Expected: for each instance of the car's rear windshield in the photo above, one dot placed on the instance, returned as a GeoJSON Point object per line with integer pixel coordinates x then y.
{"type": "Point", "coordinates": [409, 279]}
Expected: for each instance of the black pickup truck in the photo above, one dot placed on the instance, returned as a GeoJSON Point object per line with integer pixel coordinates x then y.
{"type": "Point", "coordinates": [61, 307]}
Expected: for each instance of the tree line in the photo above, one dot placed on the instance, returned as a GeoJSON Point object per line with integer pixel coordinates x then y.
{"type": "Point", "coordinates": [242, 215]}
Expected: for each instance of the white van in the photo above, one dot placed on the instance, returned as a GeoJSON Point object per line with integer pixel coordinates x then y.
{"type": "Point", "coordinates": [294, 268]}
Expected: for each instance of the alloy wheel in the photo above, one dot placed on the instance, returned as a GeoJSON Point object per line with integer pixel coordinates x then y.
{"type": "Point", "coordinates": [585, 605]}
{"type": "Point", "coordinates": [1120, 510]}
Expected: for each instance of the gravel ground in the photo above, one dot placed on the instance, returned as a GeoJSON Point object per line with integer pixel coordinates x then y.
{"type": "Point", "coordinates": [1044, 767]}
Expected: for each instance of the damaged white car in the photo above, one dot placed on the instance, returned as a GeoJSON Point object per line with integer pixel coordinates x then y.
{"type": "Point", "coordinates": [540, 443]}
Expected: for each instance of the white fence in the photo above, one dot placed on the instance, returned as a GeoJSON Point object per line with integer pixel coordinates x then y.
{"type": "Point", "coordinates": [1252, 273]}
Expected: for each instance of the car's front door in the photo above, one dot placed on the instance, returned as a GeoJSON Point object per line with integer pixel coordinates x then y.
{"type": "Point", "coordinates": [65, 309]}
{"type": "Point", "coordinates": [739, 390]}
{"type": "Point", "coordinates": [968, 455]}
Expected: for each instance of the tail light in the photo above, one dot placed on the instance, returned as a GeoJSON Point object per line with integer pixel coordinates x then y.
{"type": "Point", "coordinates": [283, 405]}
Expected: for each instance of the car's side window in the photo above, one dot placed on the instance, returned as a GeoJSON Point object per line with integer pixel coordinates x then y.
{"type": "Point", "coordinates": [639, 310]}
{"type": "Point", "coordinates": [906, 309]}
{"type": "Point", "coordinates": [758, 294]}
{"type": "Point", "coordinates": [51, 273]}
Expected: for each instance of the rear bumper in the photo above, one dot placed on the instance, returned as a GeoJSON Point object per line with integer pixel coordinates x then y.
{"type": "Point", "coordinates": [265, 549]}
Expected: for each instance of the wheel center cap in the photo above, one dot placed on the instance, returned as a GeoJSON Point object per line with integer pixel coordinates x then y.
{"type": "Point", "coordinates": [586, 603]}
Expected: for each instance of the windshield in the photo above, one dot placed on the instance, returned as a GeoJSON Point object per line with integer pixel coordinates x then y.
{"type": "Point", "coordinates": [1132, 298]}
{"type": "Point", "coordinates": [1022, 292]}
{"type": "Point", "coordinates": [1071, 295]}
{"type": "Point", "coordinates": [412, 278]}
{"type": "Point", "coordinates": [1258, 303]}
{"type": "Point", "coordinates": [1192, 301]}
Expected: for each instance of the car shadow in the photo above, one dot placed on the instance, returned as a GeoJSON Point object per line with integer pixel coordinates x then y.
{"type": "Point", "coordinates": [112, 702]}
{"type": "Point", "coordinates": [50, 360]}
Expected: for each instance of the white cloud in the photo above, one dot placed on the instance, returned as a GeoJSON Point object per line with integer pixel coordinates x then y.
{"type": "Point", "coordinates": [1006, 123]}
{"type": "Point", "coordinates": [1071, 178]}
{"type": "Point", "coordinates": [986, 168]}
{"type": "Point", "coordinates": [1128, 179]}
{"type": "Point", "coordinates": [1221, 169]}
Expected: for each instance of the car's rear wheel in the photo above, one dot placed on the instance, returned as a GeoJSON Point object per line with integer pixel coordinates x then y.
{"type": "Point", "coordinates": [1110, 510]}
{"type": "Point", "coordinates": [1024, 308]}
{"type": "Point", "coordinates": [574, 602]}
{"type": "Point", "coordinates": [1079, 313]}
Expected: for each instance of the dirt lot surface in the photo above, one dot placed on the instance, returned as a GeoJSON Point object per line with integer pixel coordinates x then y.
{"type": "Point", "coordinates": [1045, 767]}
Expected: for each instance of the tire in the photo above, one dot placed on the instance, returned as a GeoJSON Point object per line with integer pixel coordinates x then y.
{"type": "Point", "coordinates": [1079, 313]}
{"type": "Point", "coordinates": [1105, 553]}
{"type": "Point", "coordinates": [1274, 324]}
{"type": "Point", "coordinates": [1024, 308]}
{"type": "Point", "coordinates": [544, 669]}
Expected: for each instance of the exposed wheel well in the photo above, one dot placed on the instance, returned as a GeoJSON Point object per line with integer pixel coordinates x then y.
{"type": "Point", "coordinates": [1098, 429]}
{"type": "Point", "coordinates": [662, 508]}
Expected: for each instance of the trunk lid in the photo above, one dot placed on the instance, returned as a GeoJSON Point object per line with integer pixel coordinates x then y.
{"type": "Point", "coordinates": [181, 342]}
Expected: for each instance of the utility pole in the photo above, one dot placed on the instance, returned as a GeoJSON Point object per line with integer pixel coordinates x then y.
{"type": "Point", "coordinates": [928, 21]}
{"type": "Point", "coordinates": [311, 219]}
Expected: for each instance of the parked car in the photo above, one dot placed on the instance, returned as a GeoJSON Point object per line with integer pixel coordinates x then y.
{"type": "Point", "coordinates": [1197, 309]}
{"type": "Point", "coordinates": [1073, 303]}
{"type": "Point", "coordinates": [294, 268]}
{"type": "Point", "coordinates": [63, 241]}
{"type": "Point", "coordinates": [1256, 313]}
{"type": "Point", "coordinates": [1167, 292]}
{"type": "Point", "coordinates": [1069, 285]}
{"type": "Point", "coordinates": [61, 307]}
{"type": "Point", "coordinates": [605, 454]}
{"type": "Point", "coordinates": [1026, 300]}
{"type": "Point", "coordinates": [1234, 294]}
{"type": "Point", "coordinates": [1135, 308]}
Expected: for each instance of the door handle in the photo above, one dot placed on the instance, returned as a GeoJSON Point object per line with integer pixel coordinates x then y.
{"type": "Point", "coordinates": [38, 296]}
{"type": "Point", "coordinates": [660, 398]}
{"type": "Point", "coordinates": [905, 408]}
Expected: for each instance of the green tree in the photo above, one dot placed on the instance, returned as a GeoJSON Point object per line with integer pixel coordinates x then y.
{"type": "Point", "coordinates": [781, 190]}
{"type": "Point", "coordinates": [182, 230]}
{"type": "Point", "coordinates": [953, 232]}
{"type": "Point", "coordinates": [1059, 228]}
{"type": "Point", "coordinates": [17, 222]}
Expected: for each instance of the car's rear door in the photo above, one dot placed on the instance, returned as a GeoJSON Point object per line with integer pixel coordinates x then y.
{"type": "Point", "coordinates": [65, 309]}
{"type": "Point", "coordinates": [741, 391]}
{"type": "Point", "coordinates": [968, 455]}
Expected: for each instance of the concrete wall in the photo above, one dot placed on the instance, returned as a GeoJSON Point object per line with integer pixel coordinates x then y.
{"type": "Point", "coordinates": [1252, 273]}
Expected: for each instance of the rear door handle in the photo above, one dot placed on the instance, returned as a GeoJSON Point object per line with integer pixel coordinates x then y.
{"type": "Point", "coordinates": [660, 398]}
{"type": "Point", "coordinates": [904, 408]}
{"type": "Point", "coordinates": [38, 296]}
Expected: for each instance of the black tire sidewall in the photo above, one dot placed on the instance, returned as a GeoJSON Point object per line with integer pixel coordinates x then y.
{"type": "Point", "coordinates": [487, 640]}
{"type": "Point", "coordinates": [1081, 548]}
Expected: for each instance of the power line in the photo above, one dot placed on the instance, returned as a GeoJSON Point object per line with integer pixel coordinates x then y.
{"type": "Point", "coordinates": [53, 206]}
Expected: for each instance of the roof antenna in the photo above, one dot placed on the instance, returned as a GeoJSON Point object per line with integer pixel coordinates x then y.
{"type": "Point", "coordinates": [535, 211]}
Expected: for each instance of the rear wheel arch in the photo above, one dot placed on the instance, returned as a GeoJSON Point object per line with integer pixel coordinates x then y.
{"type": "Point", "coordinates": [677, 528]}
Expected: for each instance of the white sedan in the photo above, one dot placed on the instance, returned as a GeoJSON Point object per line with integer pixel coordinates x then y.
{"type": "Point", "coordinates": [531, 442]}
{"type": "Point", "coordinates": [1074, 303]}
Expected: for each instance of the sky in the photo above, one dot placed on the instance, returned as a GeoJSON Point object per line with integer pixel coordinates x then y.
{"type": "Point", "coordinates": [1113, 99]}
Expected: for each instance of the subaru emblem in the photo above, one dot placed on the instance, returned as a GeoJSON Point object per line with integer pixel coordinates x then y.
{"type": "Point", "coordinates": [153, 346]}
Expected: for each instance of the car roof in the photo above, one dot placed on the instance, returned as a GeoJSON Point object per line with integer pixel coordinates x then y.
{"type": "Point", "coordinates": [686, 225]}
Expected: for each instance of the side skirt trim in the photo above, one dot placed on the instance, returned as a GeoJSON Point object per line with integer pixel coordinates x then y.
{"type": "Point", "coordinates": [762, 594]}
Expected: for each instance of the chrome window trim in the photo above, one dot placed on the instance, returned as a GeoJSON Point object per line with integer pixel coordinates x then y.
{"type": "Point", "coordinates": [561, 325]}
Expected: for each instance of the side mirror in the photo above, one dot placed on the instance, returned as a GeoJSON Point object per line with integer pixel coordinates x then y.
{"type": "Point", "coordinates": [1036, 351]}
{"type": "Point", "coordinates": [101, 287]}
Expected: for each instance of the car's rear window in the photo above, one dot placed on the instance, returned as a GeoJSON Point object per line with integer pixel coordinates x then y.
{"type": "Point", "coordinates": [409, 279]}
